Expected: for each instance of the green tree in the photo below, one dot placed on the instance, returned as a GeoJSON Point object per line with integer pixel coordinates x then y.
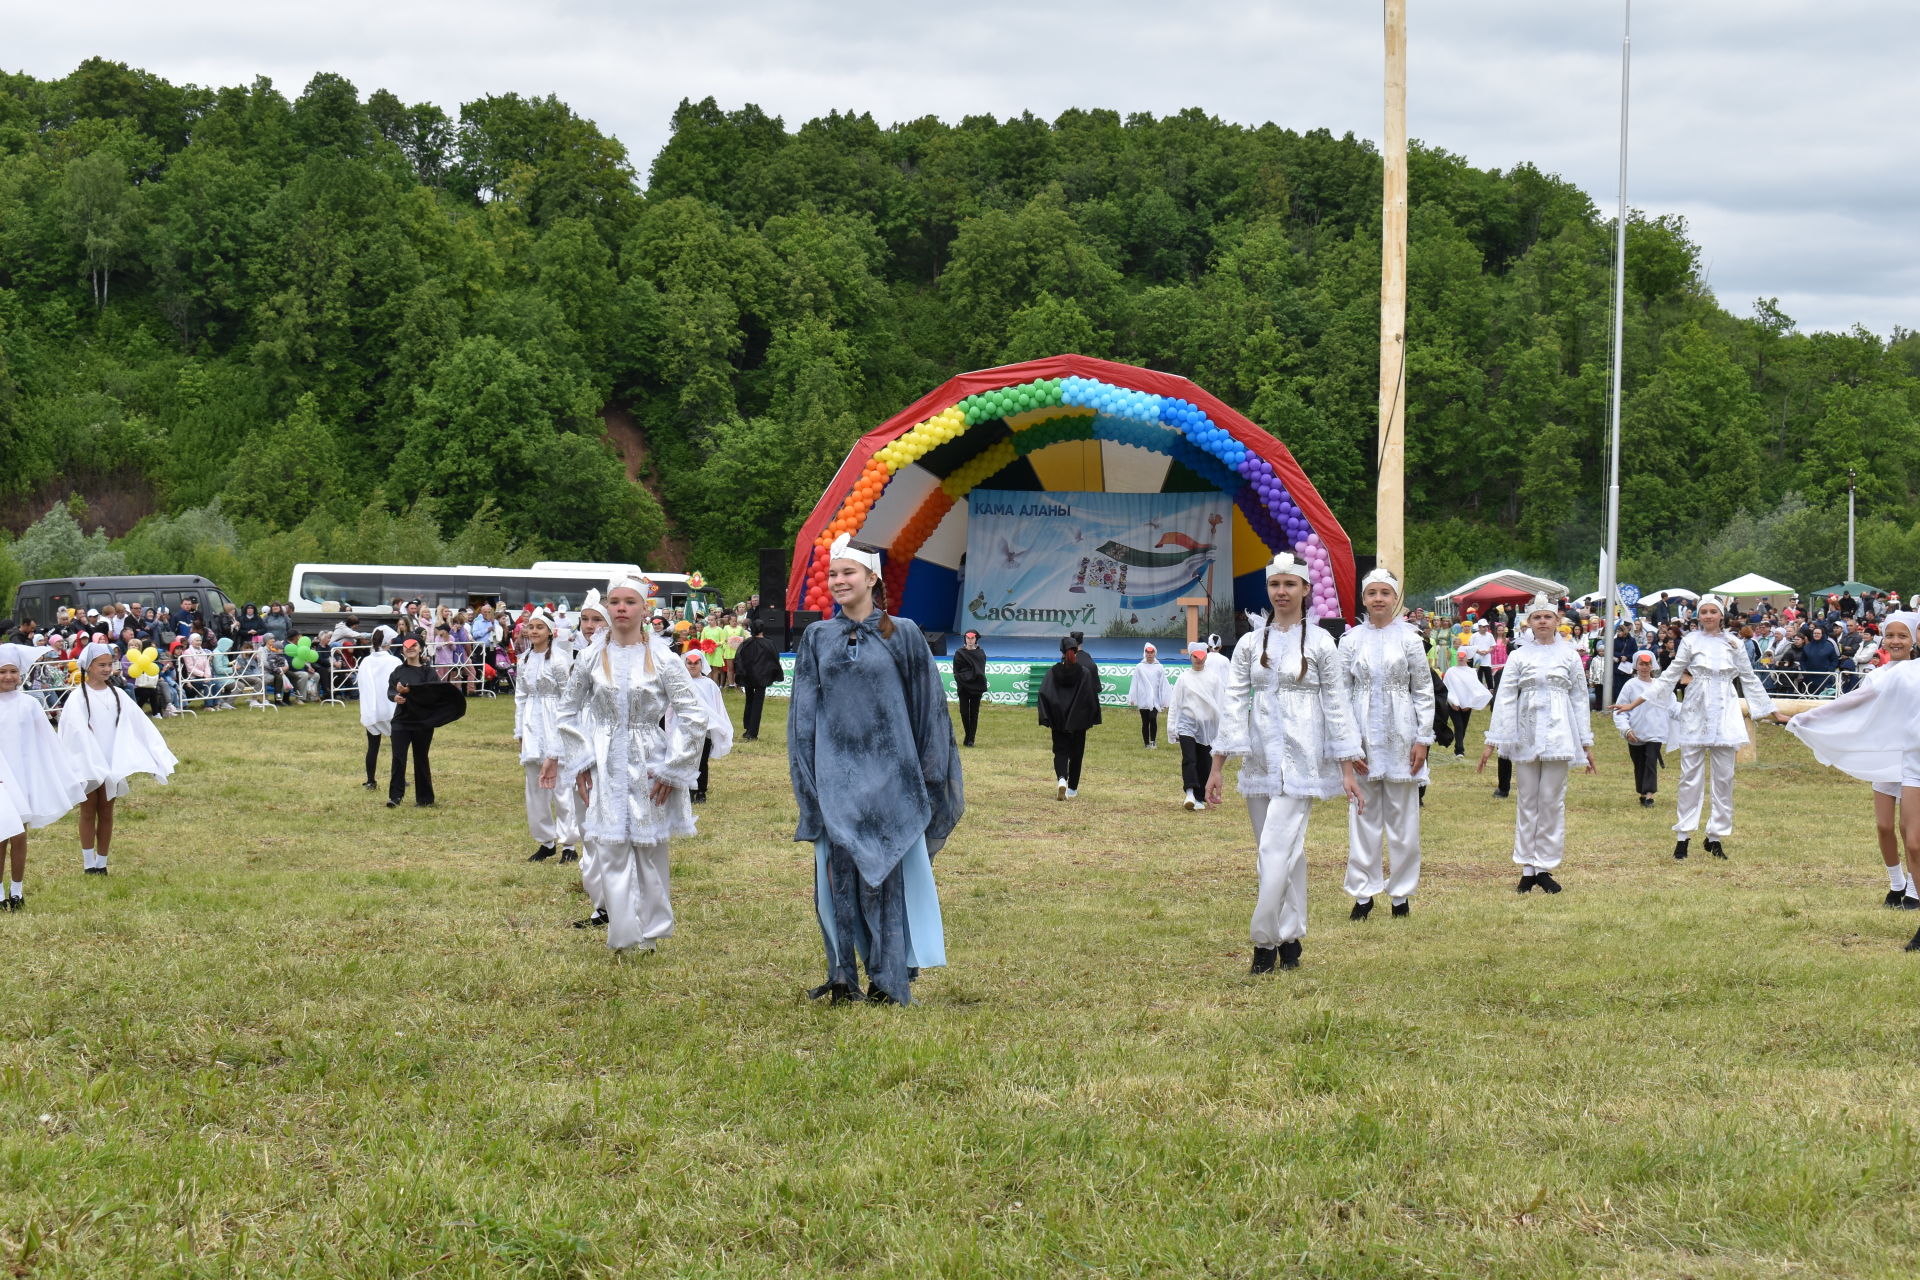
{"type": "Point", "coordinates": [102, 211]}
{"type": "Point", "coordinates": [285, 471]}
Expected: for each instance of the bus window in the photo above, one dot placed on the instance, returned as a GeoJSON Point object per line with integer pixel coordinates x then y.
{"type": "Point", "coordinates": [99, 599]}
{"type": "Point", "coordinates": [57, 601]}
{"type": "Point", "coordinates": [358, 589]}
{"type": "Point", "coordinates": [30, 607]}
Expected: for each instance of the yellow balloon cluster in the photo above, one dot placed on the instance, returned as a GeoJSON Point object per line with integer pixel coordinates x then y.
{"type": "Point", "coordinates": [143, 662]}
{"type": "Point", "coordinates": [949, 424]}
{"type": "Point", "coordinates": [978, 468]}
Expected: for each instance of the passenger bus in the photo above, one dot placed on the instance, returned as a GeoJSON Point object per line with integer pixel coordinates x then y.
{"type": "Point", "coordinates": [320, 592]}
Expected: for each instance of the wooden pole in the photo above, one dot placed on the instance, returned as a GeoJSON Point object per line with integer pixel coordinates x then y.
{"type": "Point", "coordinates": [1390, 501]}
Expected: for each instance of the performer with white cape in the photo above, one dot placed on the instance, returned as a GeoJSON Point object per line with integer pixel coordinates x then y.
{"type": "Point", "coordinates": [110, 740]}
{"type": "Point", "coordinates": [376, 703]}
{"type": "Point", "coordinates": [1873, 733]}
{"type": "Point", "coordinates": [1387, 675]}
{"type": "Point", "coordinates": [719, 741]}
{"type": "Point", "coordinates": [1148, 693]}
{"type": "Point", "coordinates": [36, 770]}
{"type": "Point", "coordinates": [1193, 718]}
{"type": "Point", "coordinates": [1645, 727]}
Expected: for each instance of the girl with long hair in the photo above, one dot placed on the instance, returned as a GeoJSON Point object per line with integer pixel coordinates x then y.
{"type": "Point", "coordinates": [1387, 674]}
{"type": "Point", "coordinates": [110, 741]}
{"type": "Point", "coordinates": [1286, 714]}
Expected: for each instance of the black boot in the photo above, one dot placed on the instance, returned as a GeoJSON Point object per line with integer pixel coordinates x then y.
{"type": "Point", "coordinates": [839, 992]}
{"type": "Point", "coordinates": [1361, 909]}
{"type": "Point", "coordinates": [1915, 944]}
{"type": "Point", "coordinates": [569, 854]}
{"type": "Point", "coordinates": [1263, 958]}
{"type": "Point", "coordinates": [1526, 885]}
{"type": "Point", "coordinates": [1713, 847]}
{"type": "Point", "coordinates": [1679, 850]}
{"type": "Point", "coordinates": [1545, 880]}
{"type": "Point", "coordinates": [541, 854]}
{"type": "Point", "coordinates": [598, 920]}
{"type": "Point", "coordinates": [1290, 954]}
{"type": "Point", "coordinates": [1403, 909]}
{"type": "Point", "coordinates": [1894, 897]}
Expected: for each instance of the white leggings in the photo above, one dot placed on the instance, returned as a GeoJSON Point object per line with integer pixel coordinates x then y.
{"type": "Point", "coordinates": [1696, 764]}
{"type": "Point", "coordinates": [1280, 912]}
{"type": "Point", "coordinates": [543, 808]}
{"type": "Point", "coordinates": [1391, 819]}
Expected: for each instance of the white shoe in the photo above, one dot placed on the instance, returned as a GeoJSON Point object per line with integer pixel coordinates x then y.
{"type": "Point", "coordinates": [1071, 793]}
{"type": "Point", "coordinates": [1153, 746]}
{"type": "Point", "coordinates": [1190, 800]}
{"type": "Point", "coordinates": [1199, 806]}
{"type": "Point", "coordinates": [1060, 791]}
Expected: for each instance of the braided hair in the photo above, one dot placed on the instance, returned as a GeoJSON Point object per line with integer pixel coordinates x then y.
{"type": "Point", "coordinates": [1267, 631]}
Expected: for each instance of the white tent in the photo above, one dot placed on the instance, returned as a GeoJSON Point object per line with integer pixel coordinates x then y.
{"type": "Point", "coordinates": [1671, 593]}
{"type": "Point", "coordinates": [1752, 584]}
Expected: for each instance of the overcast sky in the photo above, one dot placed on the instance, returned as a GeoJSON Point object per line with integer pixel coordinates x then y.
{"type": "Point", "coordinates": [1783, 130]}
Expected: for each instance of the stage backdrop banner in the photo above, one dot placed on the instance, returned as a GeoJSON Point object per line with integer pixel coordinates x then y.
{"type": "Point", "coordinates": [1107, 564]}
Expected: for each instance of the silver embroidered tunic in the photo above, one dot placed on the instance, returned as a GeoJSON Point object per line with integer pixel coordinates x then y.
{"type": "Point", "coordinates": [1709, 714]}
{"type": "Point", "coordinates": [1392, 691]}
{"type": "Point", "coordinates": [1540, 712]}
{"type": "Point", "coordinates": [609, 722]}
{"type": "Point", "coordinates": [538, 687]}
{"type": "Point", "coordinates": [1292, 731]}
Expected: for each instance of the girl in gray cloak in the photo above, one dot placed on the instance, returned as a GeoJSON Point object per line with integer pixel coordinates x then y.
{"type": "Point", "coordinates": [877, 779]}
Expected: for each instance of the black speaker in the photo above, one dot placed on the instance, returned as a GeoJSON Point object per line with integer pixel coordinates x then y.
{"type": "Point", "coordinates": [773, 622]}
{"type": "Point", "coordinates": [936, 641]}
{"type": "Point", "coordinates": [802, 619]}
{"type": "Point", "coordinates": [773, 578]}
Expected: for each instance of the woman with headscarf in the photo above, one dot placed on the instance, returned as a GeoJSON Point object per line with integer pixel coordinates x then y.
{"type": "Point", "coordinates": [1851, 733]}
{"type": "Point", "coordinates": [1069, 706]}
{"type": "Point", "coordinates": [1821, 661]}
{"type": "Point", "coordinates": [1388, 679]}
{"type": "Point", "coordinates": [109, 741]}
{"type": "Point", "coordinates": [1148, 692]}
{"type": "Point", "coordinates": [1708, 730]}
{"type": "Point", "coordinates": [376, 701]}
{"type": "Point", "coordinates": [1540, 722]}
{"type": "Point", "coordinates": [37, 777]}
{"type": "Point", "coordinates": [719, 739]}
{"type": "Point", "coordinates": [1193, 718]}
{"type": "Point", "coordinates": [1287, 715]}
{"type": "Point", "coordinates": [630, 764]}
{"type": "Point", "coordinates": [1645, 727]}
{"type": "Point", "coordinates": [877, 779]}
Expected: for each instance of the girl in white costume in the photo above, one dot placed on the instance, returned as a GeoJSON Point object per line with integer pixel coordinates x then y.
{"type": "Point", "coordinates": [376, 704]}
{"type": "Point", "coordinates": [1645, 727]}
{"type": "Point", "coordinates": [719, 740]}
{"type": "Point", "coordinates": [110, 740]}
{"type": "Point", "coordinates": [540, 678]}
{"type": "Point", "coordinates": [632, 776]}
{"type": "Point", "coordinates": [1193, 718]}
{"type": "Point", "coordinates": [36, 772]}
{"type": "Point", "coordinates": [1840, 730]}
{"type": "Point", "coordinates": [1148, 693]}
{"type": "Point", "coordinates": [1707, 729]}
{"type": "Point", "coordinates": [1540, 722]}
{"type": "Point", "coordinates": [1286, 714]}
{"type": "Point", "coordinates": [589, 622]}
{"type": "Point", "coordinates": [1392, 691]}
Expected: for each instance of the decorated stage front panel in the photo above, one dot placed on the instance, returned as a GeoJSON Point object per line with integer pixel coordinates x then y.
{"type": "Point", "coordinates": [1107, 564]}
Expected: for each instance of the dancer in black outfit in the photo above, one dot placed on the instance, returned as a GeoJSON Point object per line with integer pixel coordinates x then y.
{"type": "Point", "coordinates": [756, 667]}
{"type": "Point", "coordinates": [970, 682]}
{"type": "Point", "coordinates": [1069, 705]}
{"type": "Point", "coordinates": [422, 703]}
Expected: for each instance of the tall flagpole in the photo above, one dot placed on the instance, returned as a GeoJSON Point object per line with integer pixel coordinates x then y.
{"type": "Point", "coordinates": [1610, 571]}
{"type": "Point", "coordinates": [1390, 510]}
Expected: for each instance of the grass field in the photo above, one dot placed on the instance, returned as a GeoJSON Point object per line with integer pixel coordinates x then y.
{"type": "Point", "coordinates": [297, 1034]}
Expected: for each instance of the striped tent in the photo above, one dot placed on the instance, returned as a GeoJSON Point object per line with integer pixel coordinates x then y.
{"type": "Point", "coordinates": [1065, 424]}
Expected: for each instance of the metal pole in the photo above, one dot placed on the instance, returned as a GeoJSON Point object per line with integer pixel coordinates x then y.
{"type": "Point", "coordinates": [1611, 578]}
{"type": "Point", "coordinates": [1390, 541]}
{"type": "Point", "coordinates": [1850, 478]}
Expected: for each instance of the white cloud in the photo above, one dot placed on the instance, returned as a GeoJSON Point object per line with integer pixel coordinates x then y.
{"type": "Point", "coordinates": [1780, 128]}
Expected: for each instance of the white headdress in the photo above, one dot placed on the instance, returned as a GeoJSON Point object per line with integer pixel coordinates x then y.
{"type": "Point", "coordinates": [1709, 600]}
{"type": "Point", "coordinates": [94, 650]}
{"type": "Point", "coordinates": [383, 636]}
{"type": "Point", "coordinates": [631, 581]}
{"type": "Point", "coordinates": [1907, 616]}
{"type": "Point", "coordinates": [1647, 654]}
{"type": "Point", "coordinates": [593, 600]}
{"type": "Point", "coordinates": [24, 656]}
{"type": "Point", "coordinates": [1286, 563]}
{"type": "Point", "coordinates": [843, 549]}
{"type": "Point", "coordinates": [1540, 604]}
{"type": "Point", "coordinates": [543, 616]}
{"type": "Point", "coordinates": [1373, 576]}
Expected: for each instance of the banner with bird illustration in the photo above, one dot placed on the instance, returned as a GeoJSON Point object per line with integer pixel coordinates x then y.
{"type": "Point", "coordinates": [1107, 564]}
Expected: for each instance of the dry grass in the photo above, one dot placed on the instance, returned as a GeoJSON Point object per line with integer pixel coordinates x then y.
{"type": "Point", "coordinates": [296, 1034]}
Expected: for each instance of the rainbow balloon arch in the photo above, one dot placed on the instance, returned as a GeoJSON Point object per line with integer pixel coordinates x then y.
{"type": "Point", "coordinates": [1063, 423]}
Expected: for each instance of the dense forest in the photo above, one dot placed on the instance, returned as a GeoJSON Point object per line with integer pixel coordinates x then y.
{"type": "Point", "coordinates": [239, 330]}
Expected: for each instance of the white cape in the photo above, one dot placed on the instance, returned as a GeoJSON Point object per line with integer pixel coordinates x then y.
{"type": "Point", "coordinates": [45, 784]}
{"type": "Point", "coordinates": [110, 739]}
{"type": "Point", "coordinates": [376, 708]}
{"type": "Point", "coordinates": [719, 727]}
{"type": "Point", "coordinates": [1872, 732]}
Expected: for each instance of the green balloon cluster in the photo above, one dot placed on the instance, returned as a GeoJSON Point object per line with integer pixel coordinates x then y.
{"type": "Point", "coordinates": [1041, 393]}
{"type": "Point", "coordinates": [301, 653]}
{"type": "Point", "coordinates": [1034, 438]}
